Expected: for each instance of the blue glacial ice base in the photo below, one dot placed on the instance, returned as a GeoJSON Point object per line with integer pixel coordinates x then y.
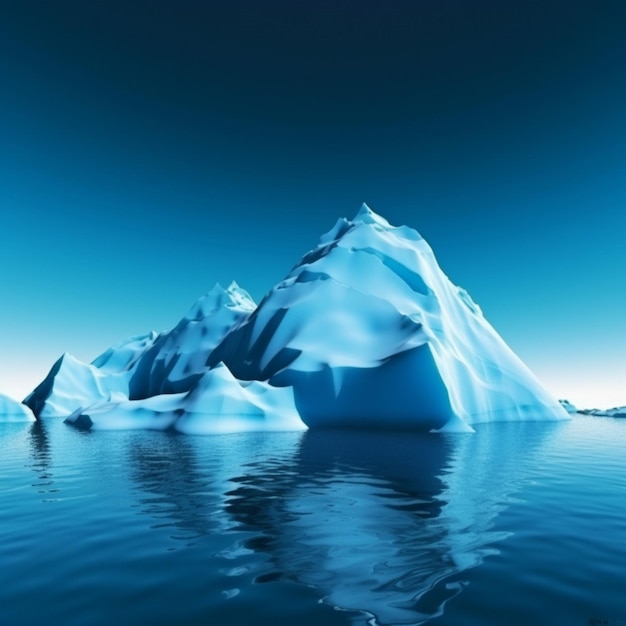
{"type": "Point", "coordinates": [365, 332]}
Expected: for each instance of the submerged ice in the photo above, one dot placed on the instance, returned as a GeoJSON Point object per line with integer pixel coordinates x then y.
{"type": "Point", "coordinates": [365, 332]}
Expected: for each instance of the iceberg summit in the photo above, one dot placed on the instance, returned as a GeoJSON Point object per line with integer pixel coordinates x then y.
{"type": "Point", "coordinates": [366, 331]}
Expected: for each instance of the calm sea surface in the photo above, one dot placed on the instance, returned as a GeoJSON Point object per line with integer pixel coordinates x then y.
{"type": "Point", "coordinates": [521, 523]}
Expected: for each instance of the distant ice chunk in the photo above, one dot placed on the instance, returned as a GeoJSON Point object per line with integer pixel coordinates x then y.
{"type": "Point", "coordinates": [617, 411]}
{"type": "Point", "coordinates": [14, 411]}
{"type": "Point", "coordinates": [568, 406]}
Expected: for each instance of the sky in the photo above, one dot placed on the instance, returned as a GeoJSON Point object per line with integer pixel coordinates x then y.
{"type": "Point", "coordinates": [151, 149]}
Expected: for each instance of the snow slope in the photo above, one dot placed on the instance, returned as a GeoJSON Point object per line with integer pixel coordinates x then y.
{"type": "Point", "coordinates": [365, 332]}
{"type": "Point", "coordinates": [13, 411]}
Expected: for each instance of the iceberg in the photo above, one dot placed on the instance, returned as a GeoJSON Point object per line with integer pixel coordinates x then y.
{"type": "Point", "coordinates": [617, 411]}
{"type": "Point", "coordinates": [370, 333]}
{"type": "Point", "coordinates": [366, 331]}
{"type": "Point", "coordinates": [568, 406]}
{"type": "Point", "coordinates": [13, 411]}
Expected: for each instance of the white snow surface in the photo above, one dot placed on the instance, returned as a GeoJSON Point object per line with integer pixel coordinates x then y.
{"type": "Point", "coordinates": [14, 411]}
{"type": "Point", "coordinates": [365, 332]}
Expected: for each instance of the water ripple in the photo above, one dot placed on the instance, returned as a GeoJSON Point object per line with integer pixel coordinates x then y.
{"type": "Point", "coordinates": [258, 528]}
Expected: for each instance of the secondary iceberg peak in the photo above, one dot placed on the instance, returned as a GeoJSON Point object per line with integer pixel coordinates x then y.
{"type": "Point", "coordinates": [366, 331]}
{"type": "Point", "coordinates": [146, 365]}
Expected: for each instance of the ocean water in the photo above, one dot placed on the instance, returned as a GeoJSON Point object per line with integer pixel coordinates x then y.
{"type": "Point", "coordinates": [519, 523]}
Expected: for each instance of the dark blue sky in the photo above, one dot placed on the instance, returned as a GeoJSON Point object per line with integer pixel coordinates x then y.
{"type": "Point", "coordinates": [149, 149]}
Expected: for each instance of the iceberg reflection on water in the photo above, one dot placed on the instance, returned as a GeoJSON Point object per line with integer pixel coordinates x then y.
{"type": "Point", "coordinates": [381, 524]}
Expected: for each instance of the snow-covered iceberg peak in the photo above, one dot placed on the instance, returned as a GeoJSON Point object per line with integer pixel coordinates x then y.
{"type": "Point", "coordinates": [371, 333]}
{"type": "Point", "coordinates": [178, 358]}
{"type": "Point", "coordinates": [367, 216]}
